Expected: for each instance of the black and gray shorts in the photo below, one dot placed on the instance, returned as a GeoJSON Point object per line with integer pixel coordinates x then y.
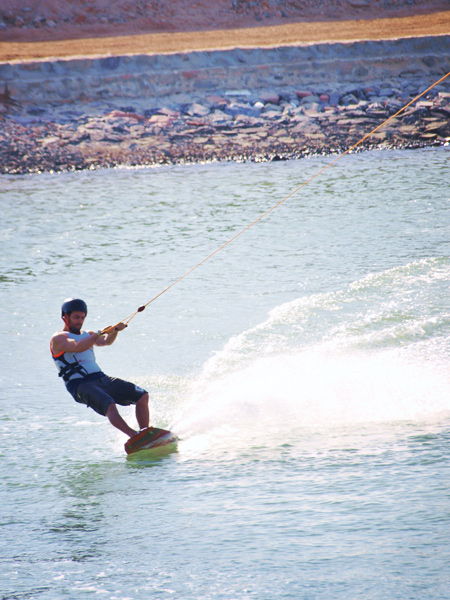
{"type": "Point", "coordinates": [100, 393]}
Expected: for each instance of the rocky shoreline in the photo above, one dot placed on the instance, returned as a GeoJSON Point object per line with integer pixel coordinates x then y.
{"type": "Point", "coordinates": [239, 126]}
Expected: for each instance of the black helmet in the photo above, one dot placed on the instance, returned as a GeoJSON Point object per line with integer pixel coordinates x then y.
{"type": "Point", "coordinates": [72, 304]}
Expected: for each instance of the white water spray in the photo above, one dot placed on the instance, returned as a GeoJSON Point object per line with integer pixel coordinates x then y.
{"type": "Point", "coordinates": [343, 358]}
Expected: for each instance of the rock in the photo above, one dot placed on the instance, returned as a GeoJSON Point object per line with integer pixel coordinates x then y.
{"type": "Point", "coordinates": [272, 114]}
{"type": "Point", "coordinates": [300, 128]}
{"type": "Point", "coordinates": [78, 138]}
{"type": "Point", "coordinates": [440, 110]}
{"type": "Point", "coordinates": [218, 118]}
{"type": "Point", "coordinates": [36, 111]}
{"type": "Point", "coordinates": [380, 136]}
{"type": "Point", "coordinates": [248, 121]}
{"type": "Point", "coordinates": [359, 3]}
{"type": "Point", "coordinates": [288, 96]}
{"type": "Point", "coordinates": [281, 133]}
{"type": "Point", "coordinates": [288, 109]}
{"type": "Point", "coordinates": [312, 110]}
{"type": "Point", "coordinates": [437, 126]}
{"type": "Point", "coordinates": [386, 90]}
{"type": "Point", "coordinates": [349, 99]}
{"type": "Point", "coordinates": [334, 99]}
{"type": "Point", "coordinates": [234, 109]}
{"type": "Point", "coordinates": [96, 135]}
{"type": "Point", "coordinates": [376, 108]}
{"type": "Point", "coordinates": [424, 104]}
{"type": "Point", "coordinates": [128, 115]}
{"type": "Point", "coordinates": [218, 101]}
{"type": "Point", "coordinates": [238, 93]}
{"type": "Point", "coordinates": [272, 108]}
{"type": "Point", "coordinates": [169, 112]}
{"type": "Point", "coordinates": [160, 120]}
{"type": "Point", "coordinates": [309, 100]}
{"type": "Point", "coordinates": [50, 140]}
{"type": "Point", "coordinates": [315, 136]}
{"type": "Point", "coordinates": [149, 112]}
{"type": "Point", "coordinates": [394, 104]}
{"type": "Point", "coordinates": [269, 97]}
{"type": "Point", "coordinates": [197, 110]}
{"type": "Point", "coordinates": [301, 95]}
{"type": "Point", "coordinates": [38, 21]}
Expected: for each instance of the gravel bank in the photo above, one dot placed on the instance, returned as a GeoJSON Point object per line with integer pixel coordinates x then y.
{"type": "Point", "coordinates": [240, 126]}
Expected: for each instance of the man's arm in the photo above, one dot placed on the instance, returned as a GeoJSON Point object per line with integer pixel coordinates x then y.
{"type": "Point", "coordinates": [61, 343]}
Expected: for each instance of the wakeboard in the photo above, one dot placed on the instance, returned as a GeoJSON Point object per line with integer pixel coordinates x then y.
{"type": "Point", "coordinates": [151, 437]}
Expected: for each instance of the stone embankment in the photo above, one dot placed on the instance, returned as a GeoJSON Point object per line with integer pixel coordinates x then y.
{"type": "Point", "coordinates": [267, 126]}
{"type": "Point", "coordinates": [321, 106]}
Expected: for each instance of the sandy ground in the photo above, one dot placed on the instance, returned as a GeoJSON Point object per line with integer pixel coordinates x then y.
{"type": "Point", "coordinates": [39, 30]}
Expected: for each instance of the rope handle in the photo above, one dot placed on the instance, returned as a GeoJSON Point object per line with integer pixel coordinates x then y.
{"type": "Point", "coordinates": [124, 321]}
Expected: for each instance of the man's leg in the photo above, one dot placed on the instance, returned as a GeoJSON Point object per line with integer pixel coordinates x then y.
{"type": "Point", "coordinates": [115, 419]}
{"type": "Point", "coordinates": [142, 411]}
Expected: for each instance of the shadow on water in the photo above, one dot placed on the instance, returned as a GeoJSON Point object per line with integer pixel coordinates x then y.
{"type": "Point", "coordinates": [84, 491]}
{"type": "Point", "coordinates": [87, 494]}
{"type": "Point", "coordinates": [151, 457]}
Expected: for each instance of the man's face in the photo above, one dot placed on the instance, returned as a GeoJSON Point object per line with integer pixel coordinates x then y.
{"type": "Point", "coordinates": [75, 321]}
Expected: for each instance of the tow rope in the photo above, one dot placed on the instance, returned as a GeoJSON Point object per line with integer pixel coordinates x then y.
{"type": "Point", "coordinates": [227, 243]}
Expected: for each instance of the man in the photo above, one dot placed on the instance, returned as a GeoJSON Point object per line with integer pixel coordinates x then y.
{"type": "Point", "coordinates": [72, 351]}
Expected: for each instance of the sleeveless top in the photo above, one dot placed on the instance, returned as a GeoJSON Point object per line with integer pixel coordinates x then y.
{"type": "Point", "coordinates": [74, 367]}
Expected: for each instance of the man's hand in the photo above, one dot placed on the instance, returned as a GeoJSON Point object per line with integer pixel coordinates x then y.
{"type": "Point", "coordinates": [109, 334]}
{"type": "Point", "coordinates": [110, 328]}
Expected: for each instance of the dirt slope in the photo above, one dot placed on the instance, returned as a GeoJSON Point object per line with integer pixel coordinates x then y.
{"type": "Point", "coordinates": [39, 29]}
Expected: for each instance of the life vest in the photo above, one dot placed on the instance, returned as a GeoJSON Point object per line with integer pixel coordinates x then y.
{"type": "Point", "coordinates": [75, 365]}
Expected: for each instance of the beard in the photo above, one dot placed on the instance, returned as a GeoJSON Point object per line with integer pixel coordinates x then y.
{"type": "Point", "coordinates": [75, 329]}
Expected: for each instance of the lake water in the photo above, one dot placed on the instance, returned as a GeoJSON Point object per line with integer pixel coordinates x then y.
{"type": "Point", "coordinates": [305, 369]}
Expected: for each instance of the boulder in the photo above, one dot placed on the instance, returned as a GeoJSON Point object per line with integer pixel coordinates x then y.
{"type": "Point", "coordinates": [304, 94]}
{"type": "Point", "coordinates": [269, 97]}
{"type": "Point", "coordinates": [273, 107]}
{"type": "Point", "coordinates": [349, 99]}
{"type": "Point", "coordinates": [169, 112]}
{"type": "Point", "coordinates": [237, 108]}
{"type": "Point", "coordinates": [217, 101]}
{"type": "Point", "coordinates": [197, 110]}
{"type": "Point", "coordinates": [334, 99]}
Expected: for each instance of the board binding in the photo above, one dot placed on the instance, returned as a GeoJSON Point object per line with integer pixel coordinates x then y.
{"type": "Point", "coordinates": [150, 437]}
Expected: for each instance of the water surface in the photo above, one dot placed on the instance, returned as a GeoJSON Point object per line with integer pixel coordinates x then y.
{"type": "Point", "coordinates": [305, 368]}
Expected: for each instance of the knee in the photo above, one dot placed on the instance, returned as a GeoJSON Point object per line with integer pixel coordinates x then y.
{"type": "Point", "coordinates": [112, 411]}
